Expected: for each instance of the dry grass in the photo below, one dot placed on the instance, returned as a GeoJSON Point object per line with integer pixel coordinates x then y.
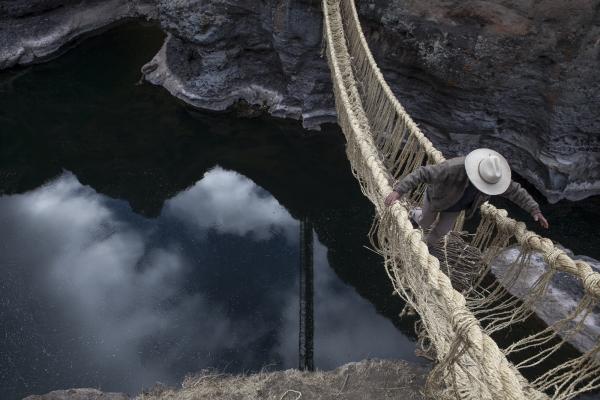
{"type": "Point", "coordinates": [371, 379]}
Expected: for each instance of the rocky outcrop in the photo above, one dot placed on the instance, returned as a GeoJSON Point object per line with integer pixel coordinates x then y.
{"type": "Point", "coordinates": [520, 77]}
{"type": "Point", "coordinates": [369, 379]}
{"type": "Point", "coordinates": [265, 53]}
{"type": "Point", "coordinates": [561, 298]}
{"type": "Point", "coordinates": [31, 31]}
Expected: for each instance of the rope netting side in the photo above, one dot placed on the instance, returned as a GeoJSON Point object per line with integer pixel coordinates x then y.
{"type": "Point", "coordinates": [469, 362]}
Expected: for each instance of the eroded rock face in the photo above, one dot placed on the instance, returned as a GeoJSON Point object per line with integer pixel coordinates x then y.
{"type": "Point", "coordinates": [31, 31]}
{"type": "Point", "coordinates": [266, 53]}
{"type": "Point", "coordinates": [518, 76]}
{"type": "Point", "coordinates": [20, 8]}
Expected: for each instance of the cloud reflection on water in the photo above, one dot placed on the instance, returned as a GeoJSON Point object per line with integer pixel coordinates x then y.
{"type": "Point", "coordinates": [231, 203]}
{"type": "Point", "coordinates": [347, 327]}
{"type": "Point", "coordinates": [116, 297]}
{"type": "Point", "coordinates": [113, 306]}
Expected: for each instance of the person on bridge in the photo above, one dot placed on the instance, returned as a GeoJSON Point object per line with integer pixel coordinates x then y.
{"type": "Point", "coordinates": [462, 183]}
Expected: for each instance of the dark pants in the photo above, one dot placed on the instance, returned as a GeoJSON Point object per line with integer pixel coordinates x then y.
{"type": "Point", "coordinates": [425, 217]}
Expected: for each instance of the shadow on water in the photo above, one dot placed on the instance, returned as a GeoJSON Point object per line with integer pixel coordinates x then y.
{"type": "Point", "coordinates": [141, 240]}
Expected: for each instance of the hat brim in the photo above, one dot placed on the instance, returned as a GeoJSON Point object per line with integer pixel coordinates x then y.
{"type": "Point", "coordinates": [472, 161]}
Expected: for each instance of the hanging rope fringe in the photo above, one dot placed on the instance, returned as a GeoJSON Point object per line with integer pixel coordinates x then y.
{"type": "Point", "coordinates": [384, 145]}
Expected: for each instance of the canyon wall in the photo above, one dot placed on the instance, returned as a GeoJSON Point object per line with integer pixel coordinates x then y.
{"type": "Point", "coordinates": [33, 31]}
{"type": "Point", "coordinates": [268, 53]}
{"type": "Point", "coordinates": [521, 77]}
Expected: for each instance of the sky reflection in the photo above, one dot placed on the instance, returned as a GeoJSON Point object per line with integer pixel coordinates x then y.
{"type": "Point", "coordinates": [231, 203]}
{"type": "Point", "coordinates": [347, 327]}
{"type": "Point", "coordinates": [96, 295]}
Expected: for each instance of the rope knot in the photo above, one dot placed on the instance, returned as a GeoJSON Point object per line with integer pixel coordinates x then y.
{"type": "Point", "coordinates": [505, 225]}
{"type": "Point", "coordinates": [528, 239]}
{"type": "Point", "coordinates": [552, 257]}
{"type": "Point", "coordinates": [591, 281]}
{"type": "Point", "coordinates": [462, 322]}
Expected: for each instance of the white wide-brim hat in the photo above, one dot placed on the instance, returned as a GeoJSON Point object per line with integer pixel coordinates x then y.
{"type": "Point", "coordinates": [488, 171]}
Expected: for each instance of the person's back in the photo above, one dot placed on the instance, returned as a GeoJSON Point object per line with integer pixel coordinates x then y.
{"type": "Point", "coordinates": [462, 184]}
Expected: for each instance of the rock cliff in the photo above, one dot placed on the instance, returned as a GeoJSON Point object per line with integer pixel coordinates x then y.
{"type": "Point", "coordinates": [518, 76]}
{"type": "Point", "coordinates": [267, 53]}
{"type": "Point", "coordinates": [34, 30]}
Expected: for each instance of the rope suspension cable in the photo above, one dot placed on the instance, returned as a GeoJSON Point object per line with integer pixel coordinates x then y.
{"type": "Point", "coordinates": [383, 145]}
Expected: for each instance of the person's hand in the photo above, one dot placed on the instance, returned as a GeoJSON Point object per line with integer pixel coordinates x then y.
{"type": "Point", "coordinates": [392, 197]}
{"type": "Point", "coordinates": [539, 218]}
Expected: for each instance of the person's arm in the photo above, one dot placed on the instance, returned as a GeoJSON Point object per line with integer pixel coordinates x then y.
{"type": "Point", "coordinates": [424, 174]}
{"type": "Point", "coordinates": [523, 199]}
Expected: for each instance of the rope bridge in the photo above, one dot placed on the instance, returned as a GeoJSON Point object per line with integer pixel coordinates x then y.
{"type": "Point", "coordinates": [383, 145]}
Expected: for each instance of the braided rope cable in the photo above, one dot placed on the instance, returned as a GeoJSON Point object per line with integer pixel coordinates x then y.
{"type": "Point", "coordinates": [556, 257]}
{"type": "Point", "coordinates": [581, 269]}
{"type": "Point", "coordinates": [480, 363]}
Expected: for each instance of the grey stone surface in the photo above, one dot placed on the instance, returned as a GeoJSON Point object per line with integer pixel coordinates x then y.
{"type": "Point", "coordinates": [266, 53]}
{"type": "Point", "coordinates": [33, 31]}
{"type": "Point", "coordinates": [521, 77]}
{"type": "Point", "coordinates": [561, 298]}
{"type": "Point", "coordinates": [21, 8]}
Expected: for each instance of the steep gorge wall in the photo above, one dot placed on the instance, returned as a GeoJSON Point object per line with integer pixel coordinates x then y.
{"type": "Point", "coordinates": [33, 30]}
{"type": "Point", "coordinates": [518, 76]}
{"type": "Point", "coordinates": [265, 52]}
{"type": "Point", "coordinates": [521, 76]}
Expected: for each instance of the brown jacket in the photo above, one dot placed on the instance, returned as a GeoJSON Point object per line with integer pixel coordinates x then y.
{"type": "Point", "coordinates": [447, 182]}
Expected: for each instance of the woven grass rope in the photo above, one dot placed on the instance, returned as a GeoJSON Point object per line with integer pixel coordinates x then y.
{"type": "Point", "coordinates": [458, 304]}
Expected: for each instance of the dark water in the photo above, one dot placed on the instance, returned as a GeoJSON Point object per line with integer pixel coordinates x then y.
{"type": "Point", "coordinates": [140, 241]}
